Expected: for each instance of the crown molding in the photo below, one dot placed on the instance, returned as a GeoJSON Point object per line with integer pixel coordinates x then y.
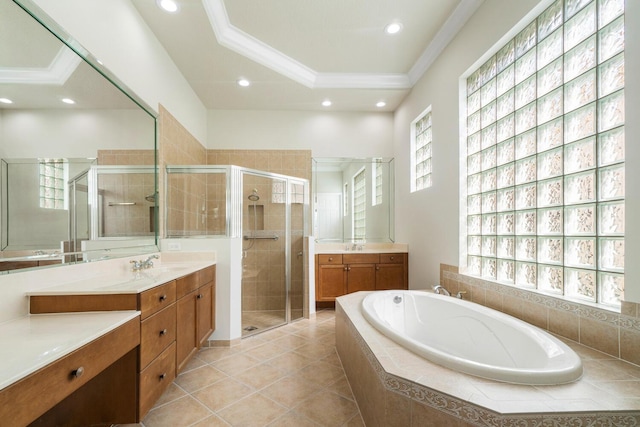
{"type": "Point", "coordinates": [57, 73]}
{"type": "Point", "coordinates": [250, 47]}
{"type": "Point", "coordinates": [451, 27]}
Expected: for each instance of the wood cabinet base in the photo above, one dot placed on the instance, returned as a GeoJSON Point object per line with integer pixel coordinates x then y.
{"type": "Point", "coordinates": [341, 274]}
{"type": "Point", "coordinates": [105, 391]}
{"type": "Point", "coordinates": [107, 399]}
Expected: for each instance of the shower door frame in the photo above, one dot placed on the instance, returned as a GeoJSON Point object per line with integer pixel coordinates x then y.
{"type": "Point", "coordinates": [237, 200]}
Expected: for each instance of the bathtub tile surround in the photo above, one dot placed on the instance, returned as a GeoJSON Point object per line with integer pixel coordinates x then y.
{"type": "Point", "coordinates": [609, 332]}
{"type": "Point", "coordinates": [393, 386]}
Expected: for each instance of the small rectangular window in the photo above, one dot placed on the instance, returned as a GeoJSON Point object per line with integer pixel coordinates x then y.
{"type": "Point", "coordinates": [376, 175]}
{"type": "Point", "coordinates": [52, 183]}
{"type": "Point", "coordinates": [359, 204]}
{"type": "Point", "coordinates": [421, 149]}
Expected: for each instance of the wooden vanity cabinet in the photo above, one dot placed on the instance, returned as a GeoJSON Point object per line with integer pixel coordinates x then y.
{"type": "Point", "coordinates": [93, 385]}
{"type": "Point", "coordinates": [331, 277]}
{"type": "Point", "coordinates": [206, 303]}
{"type": "Point", "coordinates": [187, 345]}
{"type": "Point", "coordinates": [392, 272]}
{"type": "Point", "coordinates": [341, 274]}
{"type": "Point", "coordinates": [176, 319]}
{"type": "Point", "coordinates": [195, 313]}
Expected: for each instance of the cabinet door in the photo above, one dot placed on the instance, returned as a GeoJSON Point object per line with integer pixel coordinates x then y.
{"type": "Point", "coordinates": [205, 313]}
{"type": "Point", "coordinates": [361, 277]}
{"type": "Point", "coordinates": [390, 276]}
{"type": "Point", "coordinates": [332, 282]}
{"type": "Point", "coordinates": [186, 341]}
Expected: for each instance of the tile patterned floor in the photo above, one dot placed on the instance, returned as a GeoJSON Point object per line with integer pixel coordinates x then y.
{"type": "Point", "coordinates": [288, 376]}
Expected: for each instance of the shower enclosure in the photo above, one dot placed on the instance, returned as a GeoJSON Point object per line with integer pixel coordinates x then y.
{"type": "Point", "coordinates": [268, 212]}
{"type": "Point", "coordinates": [112, 203]}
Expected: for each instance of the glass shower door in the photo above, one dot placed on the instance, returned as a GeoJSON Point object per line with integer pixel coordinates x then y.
{"type": "Point", "coordinates": [264, 237]}
{"type": "Point", "coordinates": [297, 205]}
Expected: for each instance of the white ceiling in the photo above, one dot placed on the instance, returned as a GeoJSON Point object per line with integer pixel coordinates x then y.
{"type": "Point", "coordinates": [297, 53]}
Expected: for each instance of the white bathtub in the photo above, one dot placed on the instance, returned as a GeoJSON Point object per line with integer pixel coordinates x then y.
{"type": "Point", "coordinates": [471, 338]}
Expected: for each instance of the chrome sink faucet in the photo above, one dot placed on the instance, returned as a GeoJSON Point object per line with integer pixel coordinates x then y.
{"type": "Point", "coordinates": [143, 265]}
{"type": "Point", "coordinates": [148, 263]}
{"type": "Point", "coordinates": [137, 265]}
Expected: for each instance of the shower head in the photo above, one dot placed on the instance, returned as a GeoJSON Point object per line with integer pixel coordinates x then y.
{"type": "Point", "coordinates": [254, 196]}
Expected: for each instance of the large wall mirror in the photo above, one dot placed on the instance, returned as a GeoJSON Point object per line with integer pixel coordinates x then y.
{"type": "Point", "coordinates": [77, 151]}
{"type": "Point", "coordinates": [353, 200]}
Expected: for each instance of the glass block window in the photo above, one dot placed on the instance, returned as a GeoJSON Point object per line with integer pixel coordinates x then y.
{"type": "Point", "coordinates": [52, 183]}
{"type": "Point", "coordinates": [421, 141]}
{"type": "Point", "coordinates": [376, 173]}
{"type": "Point", "coordinates": [545, 155]}
{"type": "Point", "coordinates": [278, 194]}
{"type": "Point", "coordinates": [359, 204]}
{"type": "Point", "coordinates": [345, 200]}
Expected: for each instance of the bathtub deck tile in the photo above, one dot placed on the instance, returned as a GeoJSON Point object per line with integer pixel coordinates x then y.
{"type": "Point", "coordinates": [608, 384]}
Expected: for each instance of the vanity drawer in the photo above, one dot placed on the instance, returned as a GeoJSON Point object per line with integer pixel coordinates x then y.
{"type": "Point", "coordinates": [330, 259]}
{"type": "Point", "coordinates": [206, 275]}
{"type": "Point", "coordinates": [361, 258]}
{"type": "Point", "coordinates": [155, 379]}
{"type": "Point", "coordinates": [157, 298]}
{"type": "Point", "coordinates": [27, 399]}
{"type": "Point", "coordinates": [157, 332]}
{"type": "Point", "coordinates": [395, 258]}
{"type": "Point", "coordinates": [187, 284]}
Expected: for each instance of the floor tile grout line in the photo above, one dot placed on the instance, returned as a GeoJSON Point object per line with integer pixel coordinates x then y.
{"type": "Point", "coordinates": [306, 334]}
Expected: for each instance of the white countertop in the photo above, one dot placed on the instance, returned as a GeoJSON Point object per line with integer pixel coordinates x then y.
{"type": "Point", "coordinates": [126, 282]}
{"type": "Point", "coordinates": [32, 342]}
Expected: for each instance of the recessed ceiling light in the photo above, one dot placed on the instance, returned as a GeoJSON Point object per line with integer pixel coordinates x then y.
{"type": "Point", "coordinates": [393, 28]}
{"type": "Point", "coordinates": [244, 82]}
{"type": "Point", "coordinates": [6, 101]}
{"type": "Point", "coordinates": [326, 103]}
{"type": "Point", "coordinates": [168, 5]}
{"type": "Point", "coordinates": [381, 104]}
{"type": "Point", "coordinates": [68, 101]}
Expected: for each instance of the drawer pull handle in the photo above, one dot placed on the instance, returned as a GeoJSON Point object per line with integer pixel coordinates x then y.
{"type": "Point", "coordinates": [163, 297]}
{"type": "Point", "coordinates": [391, 258]}
{"type": "Point", "coordinates": [331, 258]}
{"type": "Point", "coordinates": [77, 373]}
{"type": "Point", "coordinates": [199, 296]}
{"type": "Point", "coordinates": [163, 332]}
{"type": "Point", "coordinates": [377, 267]}
{"type": "Point", "coordinates": [162, 376]}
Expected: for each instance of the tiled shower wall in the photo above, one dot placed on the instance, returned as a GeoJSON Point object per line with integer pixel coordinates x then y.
{"type": "Point", "coordinates": [615, 334]}
{"type": "Point", "coordinates": [126, 220]}
{"type": "Point", "coordinates": [178, 147]}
